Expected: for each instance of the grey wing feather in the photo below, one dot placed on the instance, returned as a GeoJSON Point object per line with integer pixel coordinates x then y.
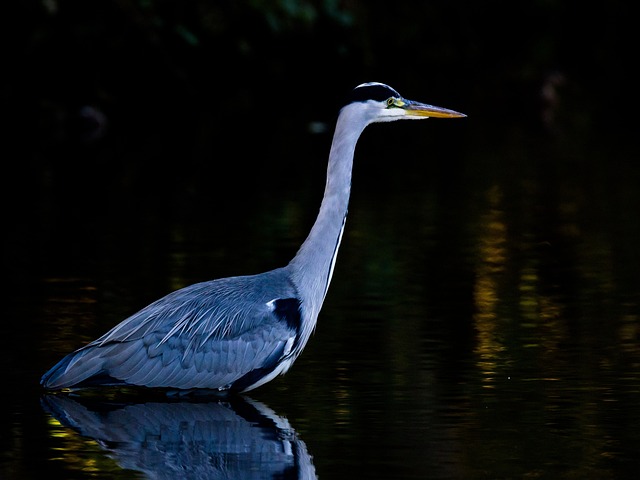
{"type": "Point", "coordinates": [214, 364]}
{"type": "Point", "coordinates": [207, 335]}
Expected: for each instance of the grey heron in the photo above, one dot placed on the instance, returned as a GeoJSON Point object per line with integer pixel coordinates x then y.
{"type": "Point", "coordinates": [237, 333]}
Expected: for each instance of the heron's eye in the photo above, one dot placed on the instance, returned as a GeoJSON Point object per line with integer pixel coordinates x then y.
{"type": "Point", "coordinates": [391, 102]}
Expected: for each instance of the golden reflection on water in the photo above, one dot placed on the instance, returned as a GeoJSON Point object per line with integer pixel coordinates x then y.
{"type": "Point", "coordinates": [533, 298]}
{"type": "Point", "coordinates": [77, 452]}
{"type": "Point", "coordinates": [492, 257]}
{"type": "Point", "coordinates": [510, 305]}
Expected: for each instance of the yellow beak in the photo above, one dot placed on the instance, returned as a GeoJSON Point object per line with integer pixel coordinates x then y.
{"type": "Point", "coordinates": [417, 109]}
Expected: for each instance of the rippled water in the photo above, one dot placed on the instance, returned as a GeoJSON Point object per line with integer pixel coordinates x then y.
{"type": "Point", "coordinates": [483, 321]}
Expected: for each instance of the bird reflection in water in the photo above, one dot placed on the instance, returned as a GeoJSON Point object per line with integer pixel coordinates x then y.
{"type": "Point", "coordinates": [231, 438]}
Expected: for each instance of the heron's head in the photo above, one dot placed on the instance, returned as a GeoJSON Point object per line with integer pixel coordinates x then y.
{"type": "Point", "coordinates": [383, 104]}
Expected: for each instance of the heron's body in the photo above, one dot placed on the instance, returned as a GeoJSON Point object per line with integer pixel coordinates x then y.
{"type": "Point", "coordinates": [238, 333]}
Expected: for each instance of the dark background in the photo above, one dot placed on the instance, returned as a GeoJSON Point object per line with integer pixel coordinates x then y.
{"type": "Point", "coordinates": [168, 98]}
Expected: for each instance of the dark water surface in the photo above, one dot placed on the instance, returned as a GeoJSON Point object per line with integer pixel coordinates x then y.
{"type": "Point", "coordinates": [483, 320]}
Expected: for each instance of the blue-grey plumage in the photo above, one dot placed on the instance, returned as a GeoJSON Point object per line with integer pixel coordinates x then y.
{"type": "Point", "coordinates": [235, 334]}
{"type": "Point", "coordinates": [211, 335]}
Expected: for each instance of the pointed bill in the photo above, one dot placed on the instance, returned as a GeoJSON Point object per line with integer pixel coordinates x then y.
{"type": "Point", "coordinates": [417, 109]}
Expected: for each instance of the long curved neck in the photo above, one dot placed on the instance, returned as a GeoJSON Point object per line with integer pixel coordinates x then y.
{"type": "Point", "coordinates": [312, 266]}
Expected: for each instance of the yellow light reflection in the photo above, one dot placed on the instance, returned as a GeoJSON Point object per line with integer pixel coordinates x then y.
{"type": "Point", "coordinates": [491, 260]}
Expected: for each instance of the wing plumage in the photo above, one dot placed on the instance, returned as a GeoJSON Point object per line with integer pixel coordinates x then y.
{"type": "Point", "coordinates": [208, 335]}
